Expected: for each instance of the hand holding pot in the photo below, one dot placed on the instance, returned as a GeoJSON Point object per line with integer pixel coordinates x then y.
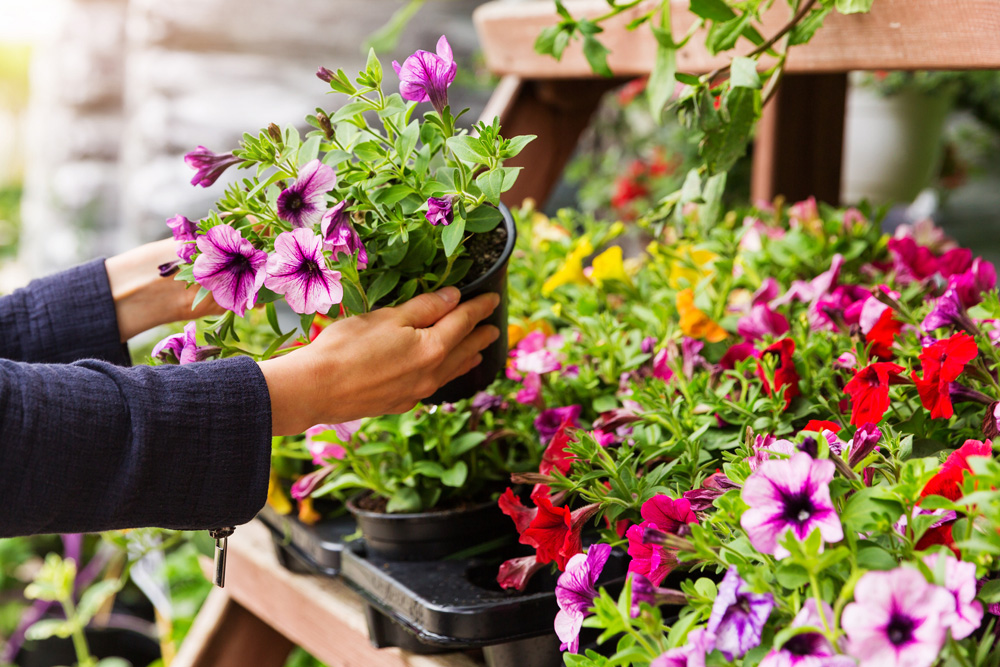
{"type": "Point", "coordinates": [383, 362]}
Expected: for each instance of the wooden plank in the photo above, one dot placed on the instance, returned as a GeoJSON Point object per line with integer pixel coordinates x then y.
{"type": "Point", "coordinates": [557, 112]}
{"type": "Point", "coordinates": [227, 635]}
{"type": "Point", "coordinates": [897, 34]}
{"type": "Point", "coordinates": [319, 614]}
{"type": "Point", "coordinates": [799, 145]}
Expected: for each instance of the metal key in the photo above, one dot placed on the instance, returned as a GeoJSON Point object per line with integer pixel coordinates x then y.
{"type": "Point", "coordinates": [221, 537]}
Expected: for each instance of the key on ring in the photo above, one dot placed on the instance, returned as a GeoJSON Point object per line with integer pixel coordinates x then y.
{"type": "Point", "coordinates": [221, 537]}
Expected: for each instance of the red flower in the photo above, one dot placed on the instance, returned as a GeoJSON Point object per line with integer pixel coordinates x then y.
{"type": "Point", "coordinates": [555, 455]}
{"type": "Point", "coordinates": [939, 533]}
{"type": "Point", "coordinates": [555, 531]}
{"type": "Point", "coordinates": [948, 481]}
{"type": "Point", "coordinates": [632, 90]}
{"type": "Point", "coordinates": [869, 390]}
{"type": "Point", "coordinates": [882, 335]}
{"type": "Point", "coordinates": [785, 374]}
{"type": "Point", "coordinates": [512, 506]}
{"type": "Point", "coordinates": [820, 425]}
{"type": "Point", "coordinates": [942, 362]}
{"type": "Point", "coordinates": [627, 190]}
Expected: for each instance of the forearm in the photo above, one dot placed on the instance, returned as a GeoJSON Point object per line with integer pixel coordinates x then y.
{"type": "Point", "coordinates": [144, 299]}
{"type": "Point", "coordinates": [90, 446]}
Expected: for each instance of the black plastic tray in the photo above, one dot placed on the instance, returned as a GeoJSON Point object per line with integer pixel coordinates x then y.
{"type": "Point", "coordinates": [309, 549]}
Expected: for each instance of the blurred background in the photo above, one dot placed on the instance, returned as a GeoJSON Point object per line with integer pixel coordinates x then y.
{"type": "Point", "coordinates": [100, 100]}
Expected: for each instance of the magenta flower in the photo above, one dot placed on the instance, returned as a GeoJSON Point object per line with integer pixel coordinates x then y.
{"type": "Point", "coordinates": [184, 233]}
{"type": "Point", "coordinates": [700, 642]}
{"type": "Point", "coordinates": [439, 211]}
{"type": "Point", "coordinates": [691, 359]}
{"type": "Point", "coordinates": [959, 579]}
{"type": "Point", "coordinates": [425, 76]}
{"type": "Point", "coordinates": [339, 235]}
{"type": "Point", "coordinates": [791, 495]}
{"type": "Point", "coordinates": [230, 267]}
{"type": "Point", "coordinates": [298, 270]}
{"type": "Point", "coordinates": [970, 285]}
{"type": "Point", "coordinates": [305, 486]}
{"type": "Point", "coordinates": [764, 446]}
{"type": "Point", "coordinates": [535, 354]}
{"type": "Point", "coordinates": [713, 487]}
{"type": "Point", "coordinates": [549, 421]}
{"type": "Point", "coordinates": [531, 391]}
{"type": "Point", "coordinates": [808, 649]}
{"type": "Point", "coordinates": [661, 513]}
{"type": "Point", "coordinates": [762, 321]}
{"type": "Point", "coordinates": [575, 593]}
{"type": "Point", "coordinates": [897, 619]}
{"type": "Point", "coordinates": [322, 450]}
{"type": "Point", "coordinates": [301, 204]}
{"type": "Point", "coordinates": [738, 616]}
{"type": "Point", "coordinates": [183, 348]}
{"type": "Point", "coordinates": [947, 311]}
{"type": "Point", "coordinates": [208, 166]}
{"type": "Point", "coordinates": [517, 572]}
{"type": "Point", "coordinates": [863, 443]}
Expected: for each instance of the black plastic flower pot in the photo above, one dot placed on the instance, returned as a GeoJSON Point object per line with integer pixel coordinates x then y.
{"type": "Point", "coordinates": [429, 535]}
{"type": "Point", "coordinates": [139, 649]}
{"type": "Point", "coordinates": [494, 356]}
{"type": "Point", "coordinates": [308, 549]}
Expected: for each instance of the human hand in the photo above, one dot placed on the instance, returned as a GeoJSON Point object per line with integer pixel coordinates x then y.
{"type": "Point", "coordinates": [143, 298]}
{"type": "Point", "coordinates": [380, 363]}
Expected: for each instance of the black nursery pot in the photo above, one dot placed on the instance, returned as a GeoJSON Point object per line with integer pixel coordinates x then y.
{"type": "Point", "coordinates": [495, 356]}
{"type": "Point", "coordinates": [139, 649]}
{"type": "Point", "coordinates": [428, 535]}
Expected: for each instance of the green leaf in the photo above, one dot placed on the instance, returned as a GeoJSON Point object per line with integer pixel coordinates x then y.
{"type": "Point", "coordinates": [516, 145]}
{"type": "Point", "coordinates": [876, 558]}
{"type": "Point", "coordinates": [743, 73]}
{"type": "Point", "coordinates": [711, 210]}
{"type": "Point", "coordinates": [309, 150]}
{"type": "Point", "coordinates": [491, 183]}
{"type": "Point", "coordinates": [713, 10]}
{"type": "Point", "coordinates": [725, 144]}
{"type": "Point", "coordinates": [482, 219]}
{"type": "Point", "coordinates": [455, 476]}
{"type": "Point", "coordinates": [352, 298]}
{"type": "Point", "coordinates": [689, 79]}
{"type": "Point", "coordinates": [49, 628]}
{"type": "Point", "coordinates": [277, 343]}
{"type": "Point", "coordinates": [407, 140]}
{"type": "Point", "coordinates": [465, 442]}
{"type": "Point", "coordinates": [267, 296]}
{"type": "Point", "coordinates": [510, 175]}
{"type": "Point", "coordinates": [404, 500]}
{"type": "Point", "coordinates": [854, 6]}
{"type": "Point", "coordinates": [94, 597]}
{"type": "Point", "coordinates": [662, 78]}
{"type": "Point", "coordinates": [305, 321]}
{"type": "Point", "coordinates": [546, 40]}
{"type": "Point", "coordinates": [990, 592]}
{"type": "Point", "coordinates": [468, 149]}
{"type": "Point", "coordinates": [723, 36]}
{"type": "Point", "coordinates": [805, 30]}
{"type": "Point", "coordinates": [597, 56]}
{"type": "Point", "coordinates": [791, 575]}
{"type": "Point", "coordinates": [272, 318]}
{"type": "Point", "coordinates": [429, 469]}
{"type": "Point", "coordinates": [374, 67]}
{"type": "Point", "coordinates": [452, 236]}
{"type": "Point", "coordinates": [382, 285]}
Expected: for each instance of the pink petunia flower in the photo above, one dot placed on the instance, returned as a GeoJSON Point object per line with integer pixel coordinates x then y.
{"type": "Point", "coordinates": [425, 76]}
{"type": "Point", "coordinates": [339, 235]}
{"type": "Point", "coordinates": [959, 579]}
{"type": "Point", "coordinates": [230, 267]}
{"type": "Point", "coordinates": [699, 643]}
{"type": "Point", "coordinates": [208, 166]}
{"type": "Point", "coordinates": [808, 649]}
{"type": "Point", "coordinates": [298, 270]}
{"type": "Point", "coordinates": [301, 204]}
{"type": "Point", "coordinates": [575, 593]}
{"type": "Point", "coordinates": [322, 450]}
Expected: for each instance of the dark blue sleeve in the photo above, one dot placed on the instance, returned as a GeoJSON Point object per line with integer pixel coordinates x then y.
{"type": "Point", "coordinates": [92, 446]}
{"type": "Point", "coordinates": [63, 318]}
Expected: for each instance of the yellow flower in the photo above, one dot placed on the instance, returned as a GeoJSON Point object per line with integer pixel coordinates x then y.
{"type": "Point", "coordinates": [276, 497]}
{"type": "Point", "coordinates": [517, 332]}
{"type": "Point", "coordinates": [694, 322]}
{"type": "Point", "coordinates": [609, 266]}
{"type": "Point", "coordinates": [544, 231]}
{"type": "Point", "coordinates": [690, 266]}
{"type": "Point", "coordinates": [572, 269]}
{"type": "Point", "coordinates": [307, 513]}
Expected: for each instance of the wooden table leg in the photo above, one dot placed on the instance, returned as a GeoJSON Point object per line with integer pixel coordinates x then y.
{"type": "Point", "coordinates": [225, 634]}
{"type": "Point", "coordinates": [800, 140]}
{"type": "Point", "coordinates": [556, 111]}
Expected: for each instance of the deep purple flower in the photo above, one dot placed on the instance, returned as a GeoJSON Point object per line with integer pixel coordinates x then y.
{"type": "Point", "coordinates": [484, 401]}
{"type": "Point", "coordinates": [959, 579]}
{"type": "Point", "coordinates": [549, 421]}
{"type": "Point", "coordinates": [230, 267]}
{"type": "Point", "coordinates": [298, 270]}
{"type": "Point", "coordinates": [301, 204]}
{"type": "Point", "coordinates": [791, 495]}
{"type": "Point", "coordinates": [184, 233]}
{"type": "Point", "coordinates": [648, 344]}
{"type": "Point", "coordinates": [439, 211]}
{"type": "Point", "coordinates": [699, 643]}
{"type": "Point", "coordinates": [762, 321]}
{"type": "Point", "coordinates": [947, 311]}
{"type": "Point", "coordinates": [339, 235]}
{"type": "Point", "coordinates": [183, 347]}
{"type": "Point", "coordinates": [575, 593]}
{"type": "Point", "coordinates": [897, 619]}
{"type": "Point", "coordinates": [425, 76]}
{"type": "Point", "coordinates": [970, 285]}
{"type": "Point", "coordinates": [208, 166]}
{"type": "Point", "coordinates": [325, 75]}
{"type": "Point", "coordinates": [738, 616]}
{"type": "Point", "coordinates": [808, 649]}
{"type": "Point", "coordinates": [863, 443]}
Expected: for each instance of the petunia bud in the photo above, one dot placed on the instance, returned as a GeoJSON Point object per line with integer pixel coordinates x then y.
{"type": "Point", "coordinates": [991, 421]}
{"type": "Point", "coordinates": [324, 75]}
{"type": "Point", "coordinates": [275, 133]}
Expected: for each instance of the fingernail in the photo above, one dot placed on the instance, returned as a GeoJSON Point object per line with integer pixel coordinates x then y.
{"type": "Point", "coordinates": [494, 334]}
{"type": "Point", "coordinates": [449, 294]}
{"type": "Point", "coordinates": [496, 299]}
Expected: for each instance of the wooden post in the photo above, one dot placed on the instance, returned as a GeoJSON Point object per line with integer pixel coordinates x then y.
{"type": "Point", "coordinates": [799, 146]}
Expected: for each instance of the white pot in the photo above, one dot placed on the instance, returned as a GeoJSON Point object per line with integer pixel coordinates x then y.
{"type": "Point", "coordinates": [892, 144]}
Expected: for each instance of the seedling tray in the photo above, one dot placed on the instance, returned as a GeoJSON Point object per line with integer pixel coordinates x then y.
{"type": "Point", "coordinates": [309, 549]}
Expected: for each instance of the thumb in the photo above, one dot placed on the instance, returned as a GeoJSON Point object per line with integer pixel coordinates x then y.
{"type": "Point", "coordinates": [423, 311]}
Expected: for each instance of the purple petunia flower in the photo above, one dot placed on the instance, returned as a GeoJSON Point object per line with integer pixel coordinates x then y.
{"type": "Point", "coordinates": [791, 495]}
{"type": "Point", "coordinates": [738, 616]}
{"type": "Point", "coordinates": [183, 347]}
{"type": "Point", "coordinates": [425, 76]}
{"type": "Point", "coordinates": [863, 443]}
{"type": "Point", "coordinates": [575, 593]}
{"type": "Point", "coordinates": [339, 235]}
{"type": "Point", "coordinates": [700, 642]}
{"type": "Point", "coordinates": [439, 211]}
{"type": "Point", "coordinates": [959, 579]}
{"type": "Point", "coordinates": [230, 267]}
{"type": "Point", "coordinates": [301, 204]}
{"type": "Point", "coordinates": [208, 166]}
{"type": "Point", "coordinates": [298, 270]}
{"type": "Point", "coordinates": [691, 359]}
{"type": "Point", "coordinates": [947, 311]}
{"type": "Point", "coordinates": [762, 321]}
{"type": "Point", "coordinates": [808, 649]}
{"type": "Point", "coordinates": [184, 233]}
{"type": "Point", "coordinates": [897, 619]}
{"type": "Point", "coordinates": [548, 421]}
{"type": "Point", "coordinates": [970, 285]}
